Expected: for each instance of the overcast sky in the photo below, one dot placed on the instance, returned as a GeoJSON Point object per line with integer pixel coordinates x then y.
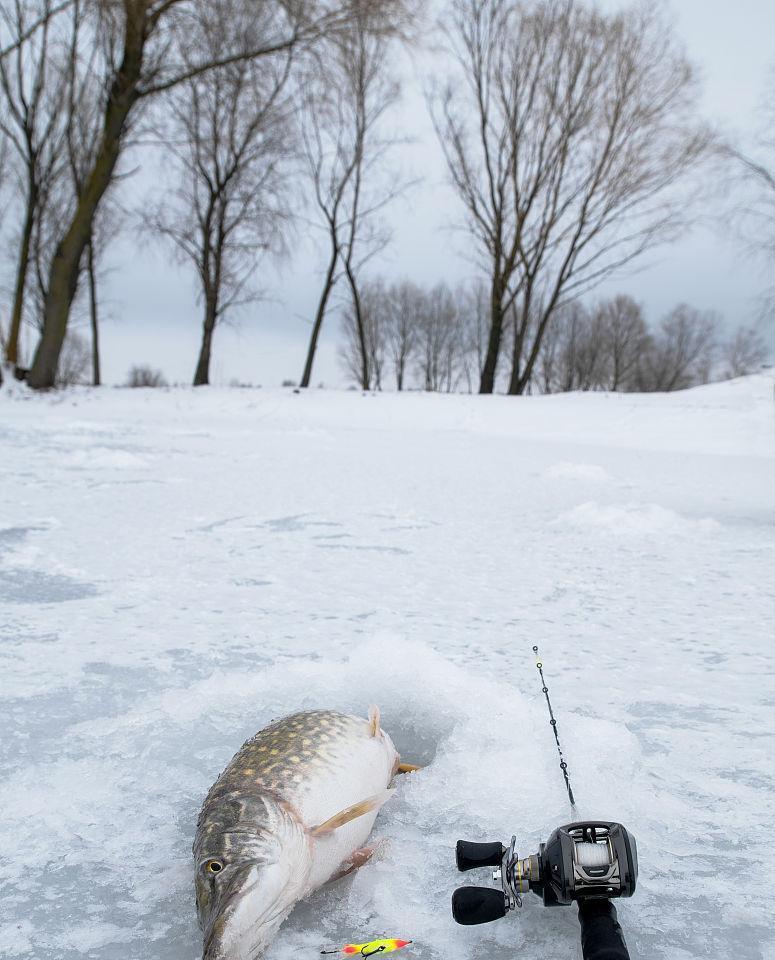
{"type": "Point", "coordinates": [154, 316]}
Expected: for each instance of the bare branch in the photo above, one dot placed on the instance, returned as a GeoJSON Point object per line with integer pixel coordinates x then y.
{"type": "Point", "coordinates": [230, 132]}
{"type": "Point", "coordinates": [565, 152]}
{"type": "Point", "coordinates": [31, 29]}
{"type": "Point", "coordinates": [345, 103]}
{"type": "Point", "coordinates": [148, 50]}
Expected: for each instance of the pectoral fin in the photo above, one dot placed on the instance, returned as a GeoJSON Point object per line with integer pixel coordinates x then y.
{"type": "Point", "coordinates": [407, 768]}
{"type": "Point", "coordinates": [351, 813]}
{"type": "Point", "coordinates": [354, 862]}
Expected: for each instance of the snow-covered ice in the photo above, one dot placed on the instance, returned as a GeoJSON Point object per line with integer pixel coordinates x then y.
{"type": "Point", "coordinates": [177, 568]}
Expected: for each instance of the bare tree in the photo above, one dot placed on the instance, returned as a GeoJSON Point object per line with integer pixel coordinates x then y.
{"type": "Point", "coordinates": [610, 347]}
{"type": "Point", "coordinates": [330, 165]}
{"type": "Point", "coordinates": [82, 135]}
{"type": "Point", "coordinates": [681, 353]}
{"type": "Point", "coordinates": [574, 355]}
{"type": "Point", "coordinates": [743, 353]}
{"type": "Point", "coordinates": [547, 369]}
{"type": "Point", "coordinates": [365, 334]}
{"type": "Point", "coordinates": [589, 359]}
{"type": "Point", "coordinates": [563, 142]}
{"type": "Point", "coordinates": [230, 133]}
{"type": "Point", "coordinates": [754, 166]}
{"type": "Point", "coordinates": [3, 200]}
{"type": "Point", "coordinates": [477, 161]}
{"type": "Point", "coordinates": [623, 335]}
{"type": "Point", "coordinates": [432, 338]}
{"type": "Point", "coordinates": [405, 304]}
{"type": "Point", "coordinates": [34, 96]}
{"type": "Point", "coordinates": [346, 99]}
{"type": "Point", "coordinates": [474, 314]}
{"type": "Point", "coordinates": [439, 340]}
{"type": "Point", "coordinates": [148, 54]}
{"type": "Point", "coordinates": [72, 72]}
{"type": "Point", "coordinates": [4, 173]}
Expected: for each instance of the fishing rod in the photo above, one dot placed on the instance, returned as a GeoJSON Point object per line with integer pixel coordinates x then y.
{"type": "Point", "coordinates": [553, 725]}
{"type": "Point", "coordinates": [587, 862]}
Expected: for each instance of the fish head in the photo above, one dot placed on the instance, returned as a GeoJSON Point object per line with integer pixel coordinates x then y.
{"type": "Point", "coordinates": [248, 878]}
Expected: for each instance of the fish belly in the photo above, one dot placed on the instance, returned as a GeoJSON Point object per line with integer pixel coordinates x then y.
{"type": "Point", "coordinates": [368, 776]}
{"type": "Point", "coordinates": [323, 762]}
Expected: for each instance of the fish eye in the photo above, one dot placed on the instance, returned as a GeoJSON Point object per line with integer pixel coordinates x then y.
{"type": "Point", "coordinates": [213, 867]}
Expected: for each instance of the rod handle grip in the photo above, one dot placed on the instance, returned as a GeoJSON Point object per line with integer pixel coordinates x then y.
{"type": "Point", "coordinates": [601, 934]}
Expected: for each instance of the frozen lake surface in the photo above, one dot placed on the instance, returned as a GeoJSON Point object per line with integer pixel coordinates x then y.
{"type": "Point", "coordinates": [179, 568]}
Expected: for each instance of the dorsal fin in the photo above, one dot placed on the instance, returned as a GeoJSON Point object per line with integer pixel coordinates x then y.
{"type": "Point", "coordinates": [374, 720]}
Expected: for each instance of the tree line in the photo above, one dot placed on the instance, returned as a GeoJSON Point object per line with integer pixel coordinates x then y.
{"type": "Point", "coordinates": [436, 340]}
{"type": "Point", "coordinates": [570, 137]}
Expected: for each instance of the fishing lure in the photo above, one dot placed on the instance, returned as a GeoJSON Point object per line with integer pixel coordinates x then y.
{"type": "Point", "coordinates": [370, 949]}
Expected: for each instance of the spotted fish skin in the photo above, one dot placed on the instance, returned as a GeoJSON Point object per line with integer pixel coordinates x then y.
{"type": "Point", "coordinates": [281, 755]}
{"type": "Point", "coordinates": [258, 823]}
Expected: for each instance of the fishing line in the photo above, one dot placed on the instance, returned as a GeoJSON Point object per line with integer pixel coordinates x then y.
{"type": "Point", "coordinates": [553, 724]}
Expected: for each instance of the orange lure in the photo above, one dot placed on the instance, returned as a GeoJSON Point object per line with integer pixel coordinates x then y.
{"type": "Point", "coordinates": [371, 949]}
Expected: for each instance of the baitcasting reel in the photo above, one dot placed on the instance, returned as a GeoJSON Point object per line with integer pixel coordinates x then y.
{"type": "Point", "coordinates": [590, 863]}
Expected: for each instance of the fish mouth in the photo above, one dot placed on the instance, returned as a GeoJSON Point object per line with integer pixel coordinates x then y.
{"type": "Point", "coordinates": [226, 906]}
{"type": "Point", "coordinates": [258, 926]}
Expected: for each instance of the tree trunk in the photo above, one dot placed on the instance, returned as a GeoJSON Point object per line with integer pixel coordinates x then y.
{"type": "Point", "coordinates": [548, 314]}
{"type": "Point", "coordinates": [490, 367]}
{"type": "Point", "coordinates": [313, 342]}
{"type": "Point", "coordinates": [365, 372]}
{"type": "Point", "coordinates": [12, 346]}
{"type": "Point", "coordinates": [521, 328]}
{"type": "Point", "coordinates": [516, 357]}
{"type": "Point", "coordinates": [65, 268]}
{"type": "Point", "coordinates": [93, 315]}
{"type": "Point", "coordinates": [202, 373]}
{"type": "Point", "coordinates": [616, 375]}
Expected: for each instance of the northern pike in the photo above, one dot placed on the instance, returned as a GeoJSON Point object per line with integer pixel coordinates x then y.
{"type": "Point", "coordinates": [292, 811]}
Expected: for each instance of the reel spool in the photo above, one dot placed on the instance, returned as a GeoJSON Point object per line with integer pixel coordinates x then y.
{"type": "Point", "coordinates": [580, 862]}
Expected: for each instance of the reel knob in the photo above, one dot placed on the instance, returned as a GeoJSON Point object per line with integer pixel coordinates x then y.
{"type": "Point", "coordinates": [470, 855]}
{"type": "Point", "coordinates": [472, 905]}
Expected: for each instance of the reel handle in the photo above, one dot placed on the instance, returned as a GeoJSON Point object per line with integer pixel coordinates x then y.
{"type": "Point", "coordinates": [471, 855]}
{"type": "Point", "coordinates": [472, 905]}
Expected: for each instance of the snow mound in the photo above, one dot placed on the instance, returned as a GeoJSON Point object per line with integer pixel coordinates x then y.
{"type": "Point", "coordinates": [633, 520]}
{"type": "Point", "coordinates": [591, 472]}
{"type": "Point", "coordinates": [91, 458]}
